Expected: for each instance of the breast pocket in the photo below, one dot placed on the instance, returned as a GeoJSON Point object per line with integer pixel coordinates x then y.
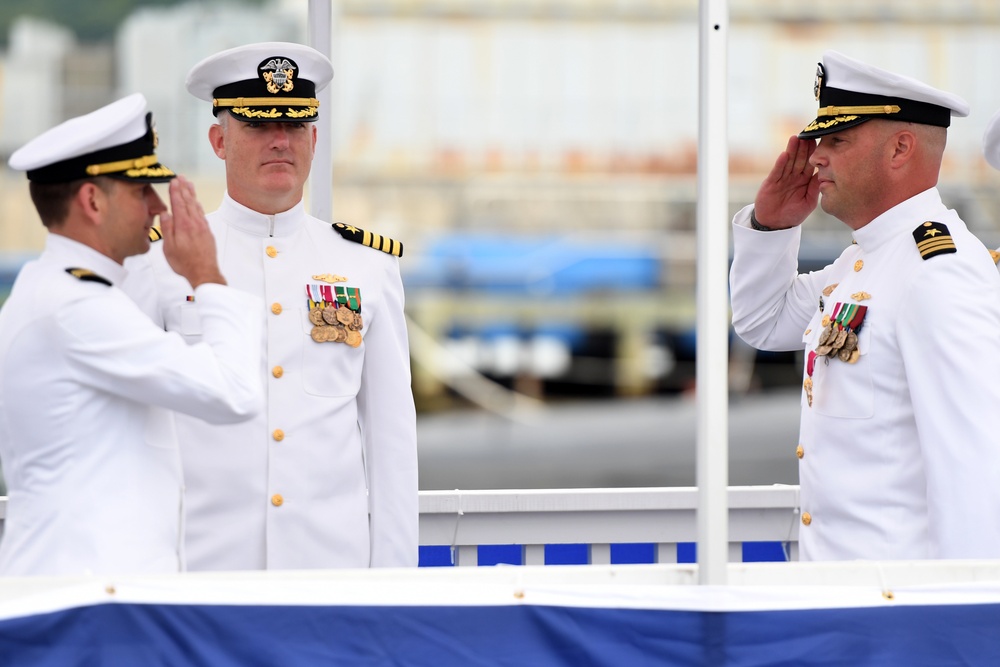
{"type": "Point", "coordinates": [330, 368]}
{"type": "Point", "coordinates": [184, 319]}
{"type": "Point", "coordinates": [846, 390]}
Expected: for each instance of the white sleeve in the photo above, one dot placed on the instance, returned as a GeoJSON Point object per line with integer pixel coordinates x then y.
{"type": "Point", "coordinates": [124, 353]}
{"type": "Point", "coordinates": [772, 302]}
{"type": "Point", "coordinates": [948, 337]}
{"type": "Point", "coordinates": [388, 424]}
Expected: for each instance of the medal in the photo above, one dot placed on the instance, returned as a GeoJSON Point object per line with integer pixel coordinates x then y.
{"type": "Point", "coordinates": [825, 336]}
{"type": "Point", "coordinates": [334, 311]}
{"type": "Point", "coordinates": [840, 335]}
{"type": "Point", "coordinates": [807, 384]}
{"type": "Point", "coordinates": [840, 340]}
{"type": "Point", "coordinates": [344, 316]}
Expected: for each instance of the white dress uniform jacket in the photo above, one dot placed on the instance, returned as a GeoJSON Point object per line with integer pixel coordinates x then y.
{"type": "Point", "coordinates": [326, 476]}
{"type": "Point", "coordinates": [87, 386]}
{"type": "Point", "coordinates": [899, 452]}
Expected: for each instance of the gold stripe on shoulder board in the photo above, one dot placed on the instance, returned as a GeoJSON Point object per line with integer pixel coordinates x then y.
{"type": "Point", "coordinates": [370, 239]}
{"type": "Point", "coordinates": [155, 234]}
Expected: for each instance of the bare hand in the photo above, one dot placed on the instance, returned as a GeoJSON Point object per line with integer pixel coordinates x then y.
{"type": "Point", "coordinates": [188, 244]}
{"type": "Point", "coordinates": [791, 191]}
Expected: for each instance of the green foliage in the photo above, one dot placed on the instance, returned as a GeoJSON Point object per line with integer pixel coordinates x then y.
{"type": "Point", "coordinates": [90, 20]}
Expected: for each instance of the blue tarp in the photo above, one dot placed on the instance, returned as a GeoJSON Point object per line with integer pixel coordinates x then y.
{"type": "Point", "coordinates": [130, 635]}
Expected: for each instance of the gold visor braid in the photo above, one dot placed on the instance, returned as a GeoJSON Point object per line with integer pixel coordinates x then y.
{"type": "Point", "coordinates": [864, 111]}
{"type": "Point", "coordinates": [121, 165]}
{"type": "Point", "coordinates": [265, 101]}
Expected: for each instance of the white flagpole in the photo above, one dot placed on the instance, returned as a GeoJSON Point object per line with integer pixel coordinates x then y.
{"type": "Point", "coordinates": [712, 364]}
{"type": "Point", "coordinates": [321, 175]}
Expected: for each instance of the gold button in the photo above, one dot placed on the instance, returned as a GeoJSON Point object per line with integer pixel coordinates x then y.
{"type": "Point", "coordinates": [277, 500]}
{"type": "Point", "coordinates": [277, 371]}
{"type": "Point", "coordinates": [799, 452]}
{"type": "Point", "coordinates": [858, 265]}
{"type": "Point", "coordinates": [806, 518]}
{"type": "Point", "coordinates": [826, 321]}
{"type": "Point", "coordinates": [271, 251]}
{"type": "Point", "coordinates": [276, 308]}
{"type": "Point", "coordinates": [278, 434]}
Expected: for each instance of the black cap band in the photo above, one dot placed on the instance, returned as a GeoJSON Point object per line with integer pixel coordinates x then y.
{"type": "Point", "coordinates": [909, 110]}
{"type": "Point", "coordinates": [277, 94]}
{"type": "Point", "coordinates": [841, 109]}
{"type": "Point", "coordinates": [133, 156]}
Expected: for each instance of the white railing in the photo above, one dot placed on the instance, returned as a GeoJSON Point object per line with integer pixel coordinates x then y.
{"type": "Point", "coordinates": [465, 520]}
{"type": "Point", "coordinates": [600, 518]}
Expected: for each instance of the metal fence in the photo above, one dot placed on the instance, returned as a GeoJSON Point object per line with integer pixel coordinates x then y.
{"type": "Point", "coordinates": [598, 518]}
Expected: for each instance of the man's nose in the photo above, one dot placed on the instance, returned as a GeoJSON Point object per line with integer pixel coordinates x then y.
{"type": "Point", "coordinates": [817, 157]}
{"type": "Point", "coordinates": [278, 135]}
{"type": "Point", "coordinates": [153, 201]}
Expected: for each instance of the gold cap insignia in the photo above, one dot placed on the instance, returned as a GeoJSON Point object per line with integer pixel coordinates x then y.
{"type": "Point", "coordinates": [278, 73]}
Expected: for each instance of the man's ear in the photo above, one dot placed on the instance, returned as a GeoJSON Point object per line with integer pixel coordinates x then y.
{"type": "Point", "coordinates": [91, 200]}
{"type": "Point", "coordinates": [904, 144]}
{"type": "Point", "coordinates": [217, 138]}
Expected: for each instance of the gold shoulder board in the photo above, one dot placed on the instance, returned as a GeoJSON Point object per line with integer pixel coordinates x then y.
{"type": "Point", "coordinates": [376, 241]}
{"type": "Point", "coordinates": [155, 234]}
{"type": "Point", "coordinates": [933, 239]}
{"type": "Point", "coordinates": [88, 276]}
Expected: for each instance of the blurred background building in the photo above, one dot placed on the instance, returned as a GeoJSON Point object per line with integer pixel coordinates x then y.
{"type": "Point", "coordinates": [538, 159]}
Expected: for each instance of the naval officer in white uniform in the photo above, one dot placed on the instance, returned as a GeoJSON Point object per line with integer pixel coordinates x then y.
{"type": "Point", "coordinates": [899, 456]}
{"type": "Point", "coordinates": [87, 382]}
{"type": "Point", "coordinates": [326, 476]}
{"type": "Point", "coordinates": [991, 151]}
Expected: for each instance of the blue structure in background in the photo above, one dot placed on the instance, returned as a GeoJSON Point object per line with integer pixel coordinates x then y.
{"type": "Point", "coordinates": [576, 554]}
{"type": "Point", "coordinates": [535, 266]}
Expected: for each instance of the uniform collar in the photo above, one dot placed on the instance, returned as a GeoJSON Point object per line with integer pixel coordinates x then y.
{"type": "Point", "coordinates": [902, 217]}
{"type": "Point", "coordinates": [75, 255]}
{"type": "Point", "coordinates": [259, 224]}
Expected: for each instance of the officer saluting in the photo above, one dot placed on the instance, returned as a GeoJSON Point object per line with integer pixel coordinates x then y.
{"type": "Point", "coordinates": [898, 454]}
{"type": "Point", "coordinates": [87, 382]}
{"type": "Point", "coordinates": [326, 476]}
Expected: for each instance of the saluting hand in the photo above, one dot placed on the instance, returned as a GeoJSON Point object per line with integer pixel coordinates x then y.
{"type": "Point", "coordinates": [188, 244]}
{"type": "Point", "coordinates": [791, 191]}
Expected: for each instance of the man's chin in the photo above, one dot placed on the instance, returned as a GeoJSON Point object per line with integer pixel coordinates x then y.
{"type": "Point", "coordinates": [143, 249]}
{"type": "Point", "coordinates": [279, 184]}
{"type": "Point", "coordinates": [828, 205]}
